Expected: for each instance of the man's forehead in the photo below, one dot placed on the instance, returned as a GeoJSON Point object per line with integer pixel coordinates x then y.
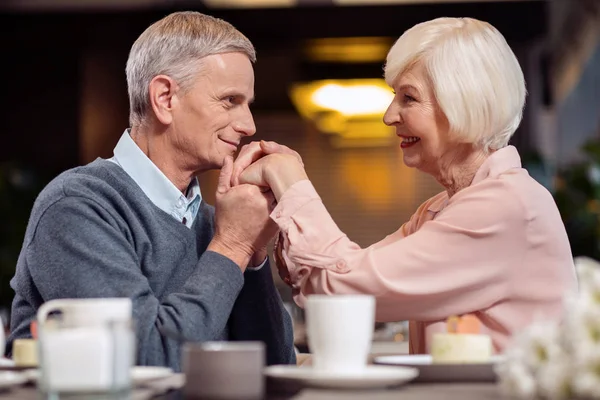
{"type": "Point", "coordinates": [226, 62]}
{"type": "Point", "coordinates": [227, 74]}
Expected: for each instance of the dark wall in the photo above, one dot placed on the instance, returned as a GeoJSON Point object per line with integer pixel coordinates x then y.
{"type": "Point", "coordinates": [39, 100]}
{"type": "Point", "coordinates": [64, 102]}
{"type": "Point", "coordinates": [64, 81]}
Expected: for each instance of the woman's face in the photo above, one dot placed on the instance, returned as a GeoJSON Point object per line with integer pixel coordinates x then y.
{"type": "Point", "coordinates": [418, 120]}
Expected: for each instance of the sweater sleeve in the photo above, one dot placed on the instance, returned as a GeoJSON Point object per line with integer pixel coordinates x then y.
{"type": "Point", "coordinates": [259, 314]}
{"type": "Point", "coordinates": [77, 250]}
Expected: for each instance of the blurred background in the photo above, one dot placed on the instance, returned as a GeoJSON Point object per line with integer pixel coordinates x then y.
{"type": "Point", "coordinates": [319, 90]}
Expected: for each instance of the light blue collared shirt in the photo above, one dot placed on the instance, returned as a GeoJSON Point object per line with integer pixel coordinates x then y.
{"type": "Point", "coordinates": [159, 189]}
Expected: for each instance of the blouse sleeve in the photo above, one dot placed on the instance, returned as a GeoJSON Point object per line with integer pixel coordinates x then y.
{"type": "Point", "coordinates": [458, 262]}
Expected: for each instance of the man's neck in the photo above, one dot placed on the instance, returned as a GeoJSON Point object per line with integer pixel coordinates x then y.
{"type": "Point", "coordinates": [152, 142]}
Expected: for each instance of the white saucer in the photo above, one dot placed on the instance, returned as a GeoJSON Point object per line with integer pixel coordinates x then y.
{"type": "Point", "coordinates": [430, 372]}
{"type": "Point", "coordinates": [9, 379]}
{"type": "Point", "coordinates": [372, 376]}
{"type": "Point", "coordinates": [140, 374]}
{"type": "Point", "coordinates": [6, 362]}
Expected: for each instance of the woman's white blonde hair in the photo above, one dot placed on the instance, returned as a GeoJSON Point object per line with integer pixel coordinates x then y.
{"type": "Point", "coordinates": [175, 46]}
{"type": "Point", "coordinates": [476, 78]}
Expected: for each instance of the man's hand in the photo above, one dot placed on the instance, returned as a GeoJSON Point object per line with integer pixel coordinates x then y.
{"type": "Point", "coordinates": [242, 222]}
{"type": "Point", "coordinates": [255, 150]}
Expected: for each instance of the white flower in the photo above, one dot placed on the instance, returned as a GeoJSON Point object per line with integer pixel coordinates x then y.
{"type": "Point", "coordinates": [554, 378]}
{"type": "Point", "coordinates": [532, 351]}
{"type": "Point", "coordinates": [586, 384]}
{"type": "Point", "coordinates": [556, 361]}
{"type": "Point", "coordinates": [537, 344]}
{"type": "Point", "coordinates": [588, 274]}
{"type": "Point", "coordinates": [581, 328]}
{"type": "Point", "coordinates": [516, 380]}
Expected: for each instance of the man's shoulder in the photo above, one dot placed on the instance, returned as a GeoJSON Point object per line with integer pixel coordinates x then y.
{"type": "Point", "coordinates": [93, 180]}
{"type": "Point", "coordinates": [98, 181]}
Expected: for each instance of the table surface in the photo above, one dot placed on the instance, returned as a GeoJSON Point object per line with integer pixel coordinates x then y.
{"type": "Point", "coordinates": [416, 391]}
{"type": "Point", "coordinates": [284, 390]}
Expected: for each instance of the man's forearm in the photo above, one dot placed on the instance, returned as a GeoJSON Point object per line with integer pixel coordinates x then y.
{"type": "Point", "coordinates": [236, 253]}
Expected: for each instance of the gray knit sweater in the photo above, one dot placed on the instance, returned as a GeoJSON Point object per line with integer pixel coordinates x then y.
{"type": "Point", "coordinates": [94, 233]}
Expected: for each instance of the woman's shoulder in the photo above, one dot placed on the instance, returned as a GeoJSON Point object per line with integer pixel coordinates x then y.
{"type": "Point", "coordinates": [510, 196]}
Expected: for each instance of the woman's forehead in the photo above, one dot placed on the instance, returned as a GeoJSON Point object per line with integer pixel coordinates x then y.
{"type": "Point", "coordinates": [415, 77]}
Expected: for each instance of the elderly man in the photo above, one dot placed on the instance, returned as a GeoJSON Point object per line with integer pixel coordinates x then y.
{"type": "Point", "coordinates": [136, 225]}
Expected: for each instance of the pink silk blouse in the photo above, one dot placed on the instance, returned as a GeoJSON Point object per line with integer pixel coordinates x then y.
{"type": "Point", "coordinates": [497, 249]}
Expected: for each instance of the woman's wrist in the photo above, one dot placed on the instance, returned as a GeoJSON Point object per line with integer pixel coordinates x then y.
{"type": "Point", "coordinates": [282, 174]}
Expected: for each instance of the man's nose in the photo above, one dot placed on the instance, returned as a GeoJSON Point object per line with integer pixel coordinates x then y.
{"type": "Point", "coordinates": [245, 125]}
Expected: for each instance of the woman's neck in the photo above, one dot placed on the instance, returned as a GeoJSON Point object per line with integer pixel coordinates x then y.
{"type": "Point", "coordinates": [457, 170]}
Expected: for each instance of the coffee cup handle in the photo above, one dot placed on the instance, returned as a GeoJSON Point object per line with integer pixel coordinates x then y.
{"type": "Point", "coordinates": [49, 306]}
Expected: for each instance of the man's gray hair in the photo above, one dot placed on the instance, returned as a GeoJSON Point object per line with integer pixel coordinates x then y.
{"type": "Point", "coordinates": [174, 46]}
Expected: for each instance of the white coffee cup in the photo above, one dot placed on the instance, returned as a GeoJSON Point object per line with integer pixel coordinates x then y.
{"type": "Point", "coordinates": [340, 331]}
{"type": "Point", "coordinates": [87, 311]}
{"type": "Point", "coordinates": [90, 348]}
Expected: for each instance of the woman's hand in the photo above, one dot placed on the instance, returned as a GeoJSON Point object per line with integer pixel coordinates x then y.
{"type": "Point", "coordinates": [256, 150]}
{"type": "Point", "coordinates": [277, 171]}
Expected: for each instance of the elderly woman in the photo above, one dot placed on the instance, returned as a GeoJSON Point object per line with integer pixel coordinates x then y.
{"type": "Point", "coordinates": [492, 244]}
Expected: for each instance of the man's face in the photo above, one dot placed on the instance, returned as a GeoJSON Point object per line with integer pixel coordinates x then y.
{"type": "Point", "coordinates": [214, 115]}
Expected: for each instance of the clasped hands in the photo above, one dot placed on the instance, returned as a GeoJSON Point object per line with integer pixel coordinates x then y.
{"type": "Point", "coordinates": [248, 191]}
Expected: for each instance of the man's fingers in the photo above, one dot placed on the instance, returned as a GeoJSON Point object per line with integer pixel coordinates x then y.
{"type": "Point", "coordinates": [273, 147]}
{"type": "Point", "coordinates": [249, 153]}
{"type": "Point", "coordinates": [225, 175]}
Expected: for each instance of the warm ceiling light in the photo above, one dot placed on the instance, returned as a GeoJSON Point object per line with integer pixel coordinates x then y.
{"type": "Point", "coordinates": [348, 49]}
{"type": "Point", "coordinates": [250, 3]}
{"type": "Point", "coordinates": [350, 109]}
{"type": "Point", "coordinates": [353, 99]}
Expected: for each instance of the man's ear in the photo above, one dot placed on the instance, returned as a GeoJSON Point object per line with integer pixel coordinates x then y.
{"type": "Point", "coordinates": [162, 89]}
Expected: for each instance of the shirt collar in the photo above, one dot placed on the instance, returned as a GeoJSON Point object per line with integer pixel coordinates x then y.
{"type": "Point", "coordinates": [157, 187]}
{"type": "Point", "coordinates": [497, 163]}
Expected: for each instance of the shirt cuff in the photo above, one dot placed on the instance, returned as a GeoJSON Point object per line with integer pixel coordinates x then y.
{"type": "Point", "coordinates": [296, 197]}
{"type": "Point", "coordinates": [258, 268]}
